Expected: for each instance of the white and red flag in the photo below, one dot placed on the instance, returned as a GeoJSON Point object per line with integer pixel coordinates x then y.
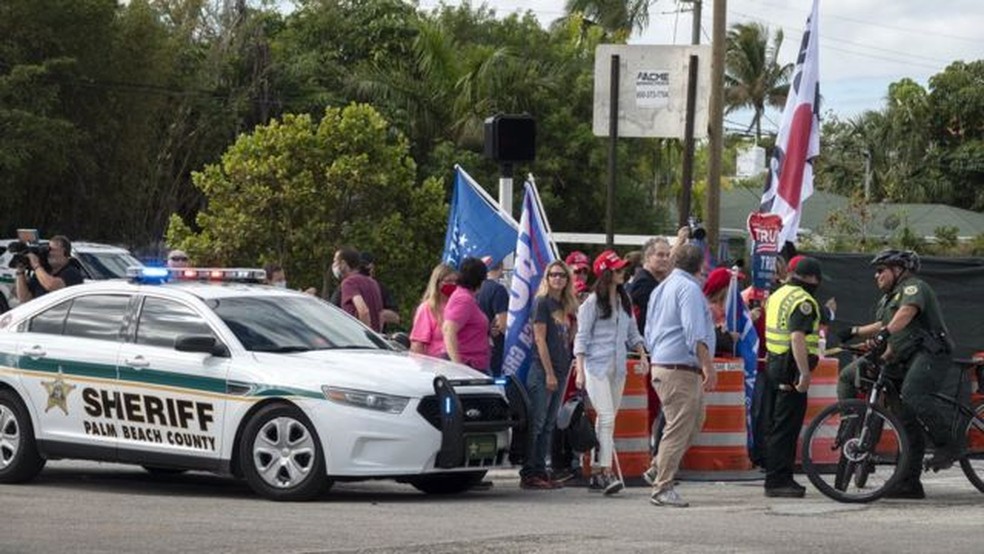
{"type": "Point", "coordinates": [790, 178]}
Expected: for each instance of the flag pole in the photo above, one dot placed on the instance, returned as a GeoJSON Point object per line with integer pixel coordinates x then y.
{"type": "Point", "coordinates": [543, 214]}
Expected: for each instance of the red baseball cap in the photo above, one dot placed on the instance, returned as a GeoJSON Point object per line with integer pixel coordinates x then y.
{"type": "Point", "coordinates": [608, 260]}
{"type": "Point", "coordinates": [578, 260]}
{"type": "Point", "coordinates": [791, 265]}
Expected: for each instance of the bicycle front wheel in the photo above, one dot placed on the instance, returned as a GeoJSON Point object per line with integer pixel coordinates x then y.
{"type": "Point", "coordinates": [853, 452]}
{"type": "Point", "coordinates": [973, 461]}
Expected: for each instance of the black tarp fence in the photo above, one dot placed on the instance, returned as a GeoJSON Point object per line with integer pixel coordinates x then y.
{"type": "Point", "coordinates": [958, 282]}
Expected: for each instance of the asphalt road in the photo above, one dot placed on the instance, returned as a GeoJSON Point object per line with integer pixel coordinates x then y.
{"type": "Point", "coordinates": [90, 507]}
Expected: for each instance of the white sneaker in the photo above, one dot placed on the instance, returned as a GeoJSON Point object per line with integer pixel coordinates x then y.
{"type": "Point", "coordinates": [650, 475]}
{"type": "Point", "coordinates": [668, 497]}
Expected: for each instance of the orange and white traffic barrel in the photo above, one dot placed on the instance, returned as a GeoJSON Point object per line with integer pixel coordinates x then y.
{"type": "Point", "coordinates": [722, 445]}
{"type": "Point", "coordinates": [632, 425]}
{"type": "Point", "coordinates": [822, 393]}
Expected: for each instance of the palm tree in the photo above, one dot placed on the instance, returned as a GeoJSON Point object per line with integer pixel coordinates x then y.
{"type": "Point", "coordinates": [617, 17]}
{"type": "Point", "coordinates": [753, 77]}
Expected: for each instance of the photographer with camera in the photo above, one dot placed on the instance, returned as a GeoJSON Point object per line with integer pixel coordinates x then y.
{"type": "Point", "coordinates": [51, 267]}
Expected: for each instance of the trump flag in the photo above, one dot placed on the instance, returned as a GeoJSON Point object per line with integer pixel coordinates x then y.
{"type": "Point", "coordinates": [476, 227]}
{"type": "Point", "coordinates": [534, 252]}
{"type": "Point", "coordinates": [746, 347]}
{"type": "Point", "coordinates": [790, 177]}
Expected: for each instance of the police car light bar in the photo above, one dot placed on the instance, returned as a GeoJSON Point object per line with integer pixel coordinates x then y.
{"type": "Point", "coordinates": [210, 274]}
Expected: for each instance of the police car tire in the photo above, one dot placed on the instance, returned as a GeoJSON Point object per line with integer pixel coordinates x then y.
{"type": "Point", "coordinates": [447, 483]}
{"type": "Point", "coordinates": [26, 462]}
{"type": "Point", "coordinates": [312, 485]}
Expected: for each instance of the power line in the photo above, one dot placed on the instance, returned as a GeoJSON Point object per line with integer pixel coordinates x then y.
{"type": "Point", "coordinates": [921, 32]}
{"type": "Point", "coordinates": [827, 39]}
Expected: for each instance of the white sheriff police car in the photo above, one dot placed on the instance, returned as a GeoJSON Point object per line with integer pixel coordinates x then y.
{"type": "Point", "coordinates": [275, 386]}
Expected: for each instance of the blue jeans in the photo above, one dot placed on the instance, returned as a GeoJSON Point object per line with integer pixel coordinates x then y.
{"type": "Point", "coordinates": [543, 414]}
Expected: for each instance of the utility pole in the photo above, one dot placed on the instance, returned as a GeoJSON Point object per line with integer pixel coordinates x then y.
{"type": "Point", "coordinates": [687, 169]}
{"type": "Point", "coordinates": [695, 26]}
{"type": "Point", "coordinates": [715, 124]}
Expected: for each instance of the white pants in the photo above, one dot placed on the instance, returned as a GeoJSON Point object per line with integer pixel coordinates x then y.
{"type": "Point", "coordinates": [605, 394]}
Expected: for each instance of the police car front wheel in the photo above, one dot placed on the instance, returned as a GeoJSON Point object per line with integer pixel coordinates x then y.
{"type": "Point", "coordinates": [19, 457]}
{"type": "Point", "coordinates": [281, 454]}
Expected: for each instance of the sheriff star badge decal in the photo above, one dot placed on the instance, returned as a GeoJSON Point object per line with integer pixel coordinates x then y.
{"type": "Point", "coordinates": [58, 391]}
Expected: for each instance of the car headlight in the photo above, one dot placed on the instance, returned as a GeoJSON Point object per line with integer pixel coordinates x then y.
{"type": "Point", "coordinates": [366, 399]}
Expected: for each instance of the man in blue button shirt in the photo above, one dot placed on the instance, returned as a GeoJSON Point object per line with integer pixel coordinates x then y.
{"type": "Point", "coordinates": [680, 340]}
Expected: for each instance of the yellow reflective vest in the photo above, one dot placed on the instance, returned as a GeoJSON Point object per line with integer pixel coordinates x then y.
{"type": "Point", "coordinates": [778, 308]}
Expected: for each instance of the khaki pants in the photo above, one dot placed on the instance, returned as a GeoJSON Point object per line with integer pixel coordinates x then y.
{"type": "Point", "coordinates": [682, 395]}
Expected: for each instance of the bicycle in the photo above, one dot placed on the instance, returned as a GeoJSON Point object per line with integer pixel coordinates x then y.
{"type": "Point", "coordinates": [855, 450]}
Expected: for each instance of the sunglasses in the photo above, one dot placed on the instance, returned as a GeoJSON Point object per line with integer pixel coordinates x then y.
{"type": "Point", "coordinates": [557, 275]}
{"type": "Point", "coordinates": [178, 258]}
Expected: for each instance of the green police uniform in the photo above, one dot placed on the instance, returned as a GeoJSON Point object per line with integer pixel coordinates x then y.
{"type": "Point", "coordinates": [920, 360]}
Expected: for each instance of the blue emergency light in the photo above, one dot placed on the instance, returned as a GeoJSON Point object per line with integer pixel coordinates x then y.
{"type": "Point", "coordinates": [158, 275]}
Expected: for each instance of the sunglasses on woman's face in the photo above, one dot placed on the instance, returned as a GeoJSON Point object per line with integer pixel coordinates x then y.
{"type": "Point", "coordinates": [557, 275]}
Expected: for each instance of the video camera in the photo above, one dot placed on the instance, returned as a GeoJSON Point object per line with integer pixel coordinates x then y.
{"type": "Point", "coordinates": [697, 231]}
{"type": "Point", "coordinates": [21, 249]}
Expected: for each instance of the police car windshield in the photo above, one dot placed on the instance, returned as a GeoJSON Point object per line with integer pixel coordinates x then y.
{"type": "Point", "coordinates": [106, 265]}
{"type": "Point", "coordinates": [292, 324]}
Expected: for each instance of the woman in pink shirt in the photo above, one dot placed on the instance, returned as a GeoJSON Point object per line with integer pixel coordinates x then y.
{"type": "Point", "coordinates": [426, 336]}
{"type": "Point", "coordinates": [466, 329]}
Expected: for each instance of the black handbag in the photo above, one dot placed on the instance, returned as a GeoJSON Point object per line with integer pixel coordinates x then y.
{"type": "Point", "coordinates": [577, 428]}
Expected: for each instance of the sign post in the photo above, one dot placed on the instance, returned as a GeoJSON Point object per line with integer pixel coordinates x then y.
{"type": "Point", "coordinates": [652, 92]}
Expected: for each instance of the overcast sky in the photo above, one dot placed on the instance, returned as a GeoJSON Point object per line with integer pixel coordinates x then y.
{"type": "Point", "coordinates": [864, 44]}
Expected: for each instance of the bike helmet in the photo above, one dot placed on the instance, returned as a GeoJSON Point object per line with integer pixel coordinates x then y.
{"type": "Point", "coordinates": [906, 259]}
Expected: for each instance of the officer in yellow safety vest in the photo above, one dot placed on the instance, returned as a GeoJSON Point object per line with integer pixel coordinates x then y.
{"type": "Point", "coordinates": [792, 325]}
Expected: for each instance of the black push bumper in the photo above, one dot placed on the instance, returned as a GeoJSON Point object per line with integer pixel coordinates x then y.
{"type": "Point", "coordinates": [459, 415]}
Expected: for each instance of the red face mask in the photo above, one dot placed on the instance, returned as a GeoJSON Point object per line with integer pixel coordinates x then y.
{"type": "Point", "coordinates": [448, 288]}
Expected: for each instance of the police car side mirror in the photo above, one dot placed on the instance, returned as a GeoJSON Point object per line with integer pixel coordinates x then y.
{"type": "Point", "coordinates": [205, 344]}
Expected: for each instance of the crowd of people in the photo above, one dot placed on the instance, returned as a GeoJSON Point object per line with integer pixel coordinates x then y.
{"type": "Point", "coordinates": [664, 304]}
{"type": "Point", "coordinates": [668, 308]}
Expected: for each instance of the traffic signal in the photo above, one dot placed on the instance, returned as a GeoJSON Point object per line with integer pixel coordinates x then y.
{"type": "Point", "coordinates": [510, 138]}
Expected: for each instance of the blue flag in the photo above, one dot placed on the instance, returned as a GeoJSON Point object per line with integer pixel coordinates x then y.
{"type": "Point", "coordinates": [533, 254]}
{"type": "Point", "coordinates": [738, 321]}
{"type": "Point", "coordinates": [476, 227]}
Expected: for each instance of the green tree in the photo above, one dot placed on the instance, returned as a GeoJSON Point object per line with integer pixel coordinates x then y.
{"type": "Point", "coordinates": [753, 77]}
{"type": "Point", "coordinates": [620, 18]}
{"type": "Point", "coordinates": [295, 190]}
{"type": "Point", "coordinates": [956, 123]}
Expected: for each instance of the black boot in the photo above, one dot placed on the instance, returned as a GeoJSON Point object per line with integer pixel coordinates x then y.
{"type": "Point", "coordinates": [910, 488]}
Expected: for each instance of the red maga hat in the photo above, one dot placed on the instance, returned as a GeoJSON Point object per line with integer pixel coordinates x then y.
{"type": "Point", "coordinates": [608, 260]}
{"type": "Point", "coordinates": [577, 260]}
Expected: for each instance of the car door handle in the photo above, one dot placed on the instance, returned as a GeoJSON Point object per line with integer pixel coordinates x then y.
{"type": "Point", "coordinates": [34, 352]}
{"type": "Point", "coordinates": [139, 362]}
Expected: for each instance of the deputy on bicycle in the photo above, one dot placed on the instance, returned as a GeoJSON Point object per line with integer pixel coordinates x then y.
{"type": "Point", "coordinates": [913, 336]}
{"type": "Point", "coordinates": [792, 325]}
